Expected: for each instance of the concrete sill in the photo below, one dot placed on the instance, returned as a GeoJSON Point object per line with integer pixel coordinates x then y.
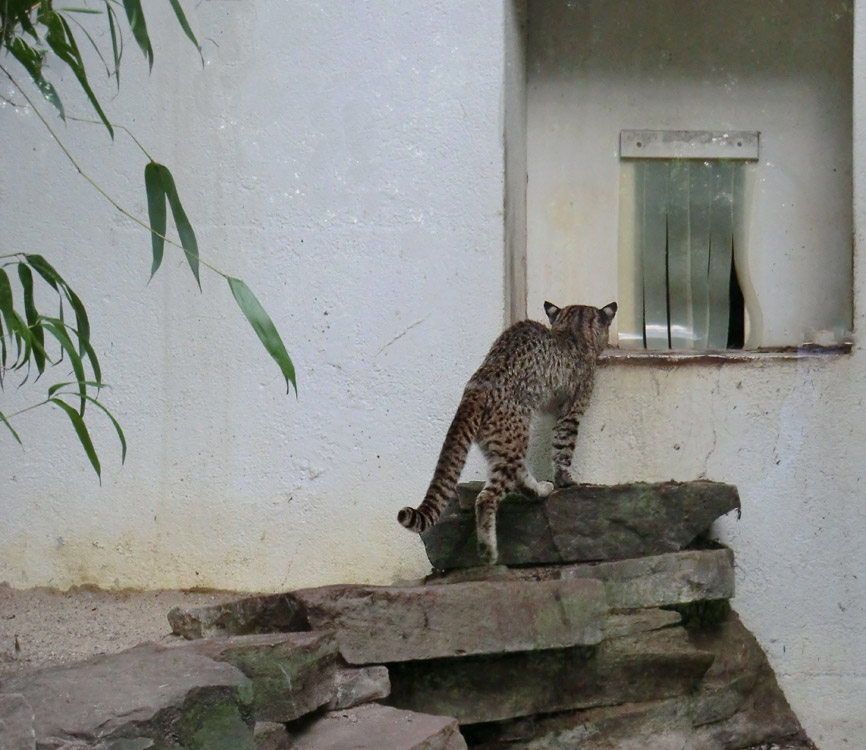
{"type": "Point", "coordinates": [644, 357]}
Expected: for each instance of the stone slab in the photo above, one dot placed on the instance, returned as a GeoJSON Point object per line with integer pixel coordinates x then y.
{"type": "Point", "coordinates": [150, 692]}
{"type": "Point", "coordinates": [633, 622]}
{"type": "Point", "coordinates": [16, 723]}
{"type": "Point", "coordinates": [650, 666]}
{"type": "Point", "coordinates": [375, 727]}
{"type": "Point", "coordinates": [652, 581]}
{"type": "Point", "coordinates": [583, 523]}
{"type": "Point", "coordinates": [263, 613]}
{"type": "Point", "coordinates": [292, 673]}
{"type": "Point", "coordinates": [376, 624]}
{"type": "Point", "coordinates": [737, 704]}
{"type": "Point", "coordinates": [270, 735]}
{"type": "Point", "coordinates": [663, 580]}
{"type": "Point", "coordinates": [352, 687]}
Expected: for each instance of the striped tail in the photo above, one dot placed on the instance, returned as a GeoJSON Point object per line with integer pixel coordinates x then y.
{"type": "Point", "coordinates": [451, 460]}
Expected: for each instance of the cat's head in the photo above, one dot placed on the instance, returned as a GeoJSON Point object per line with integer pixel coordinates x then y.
{"type": "Point", "coordinates": [583, 322]}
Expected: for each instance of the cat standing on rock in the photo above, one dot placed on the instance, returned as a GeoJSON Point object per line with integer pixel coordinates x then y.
{"type": "Point", "coordinates": [530, 368]}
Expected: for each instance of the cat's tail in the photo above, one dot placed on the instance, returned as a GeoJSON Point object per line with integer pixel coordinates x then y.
{"type": "Point", "coordinates": [450, 464]}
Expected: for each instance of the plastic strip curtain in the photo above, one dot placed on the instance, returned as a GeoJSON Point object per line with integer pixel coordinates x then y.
{"type": "Point", "coordinates": [683, 225]}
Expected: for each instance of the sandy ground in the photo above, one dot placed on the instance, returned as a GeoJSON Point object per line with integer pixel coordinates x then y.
{"type": "Point", "coordinates": [44, 627]}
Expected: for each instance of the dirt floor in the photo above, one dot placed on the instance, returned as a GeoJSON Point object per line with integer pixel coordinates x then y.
{"type": "Point", "coordinates": [44, 627]}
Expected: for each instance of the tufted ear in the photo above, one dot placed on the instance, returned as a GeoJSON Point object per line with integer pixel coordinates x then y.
{"type": "Point", "coordinates": [608, 311]}
{"type": "Point", "coordinates": [552, 311]}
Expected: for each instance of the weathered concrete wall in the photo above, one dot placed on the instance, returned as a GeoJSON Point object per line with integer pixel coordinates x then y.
{"type": "Point", "coordinates": [347, 161]}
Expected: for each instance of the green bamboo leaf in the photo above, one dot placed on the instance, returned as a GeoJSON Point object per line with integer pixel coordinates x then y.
{"type": "Point", "coordinates": [135, 15]}
{"type": "Point", "coordinates": [69, 9]}
{"type": "Point", "coordinates": [25, 275]}
{"type": "Point", "coordinates": [116, 41]}
{"type": "Point", "coordinates": [83, 435]}
{"type": "Point", "coordinates": [184, 228]}
{"type": "Point", "coordinates": [2, 352]}
{"type": "Point", "coordinates": [75, 61]}
{"type": "Point", "coordinates": [264, 328]}
{"type": "Point", "coordinates": [58, 386]}
{"type": "Point", "coordinates": [57, 328]}
{"type": "Point", "coordinates": [11, 428]}
{"type": "Point", "coordinates": [82, 323]}
{"type": "Point", "coordinates": [62, 42]}
{"type": "Point", "coordinates": [85, 348]}
{"type": "Point", "coordinates": [15, 326]}
{"type": "Point", "coordinates": [156, 212]}
{"type": "Point", "coordinates": [45, 270]}
{"type": "Point", "coordinates": [184, 24]}
{"type": "Point", "coordinates": [117, 428]}
{"type": "Point", "coordinates": [92, 42]}
{"type": "Point", "coordinates": [58, 283]}
{"type": "Point", "coordinates": [31, 60]}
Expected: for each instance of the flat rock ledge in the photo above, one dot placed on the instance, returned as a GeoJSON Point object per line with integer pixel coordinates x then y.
{"type": "Point", "coordinates": [583, 523]}
{"type": "Point", "coordinates": [610, 634]}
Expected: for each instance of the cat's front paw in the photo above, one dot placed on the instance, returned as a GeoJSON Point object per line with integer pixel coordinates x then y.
{"type": "Point", "coordinates": [544, 489]}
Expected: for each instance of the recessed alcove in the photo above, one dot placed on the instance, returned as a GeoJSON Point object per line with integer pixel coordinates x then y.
{"type": "Point", "coordinates": [581, 72]}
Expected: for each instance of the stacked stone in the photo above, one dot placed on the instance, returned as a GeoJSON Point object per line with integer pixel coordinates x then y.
{"type": "Point", "coordinates": [610, 629]}
{"type": "Point", "coordinates": [673, 667]}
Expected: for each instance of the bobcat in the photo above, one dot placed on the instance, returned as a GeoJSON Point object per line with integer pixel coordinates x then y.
{"type": "Point", "coordinates": [530, 368]}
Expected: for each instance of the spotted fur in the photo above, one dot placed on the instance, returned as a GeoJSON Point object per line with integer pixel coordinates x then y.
{"type": "Point", "coordinates": [530, 368]}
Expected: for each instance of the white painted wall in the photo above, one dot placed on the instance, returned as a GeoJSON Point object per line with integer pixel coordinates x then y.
{"type": "Point", "coordinates": [595, 68]}
{"type": "Point", "coordinates": [347, 158]}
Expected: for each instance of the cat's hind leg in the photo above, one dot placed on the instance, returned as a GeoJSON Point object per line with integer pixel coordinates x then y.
{"type": "Point", "coordinates": [486, 505]}
{"type": "Point", "coordinates": [504, 440]}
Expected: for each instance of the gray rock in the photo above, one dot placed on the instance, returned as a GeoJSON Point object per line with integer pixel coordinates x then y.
{"type": "Point", "coordinates": [150, 692]}
{"type": "Point", "coordinates": [737, 704]}
{"type": "Point", "coordinates": [16, 723]}
{"type": "Point", "coordinates": [653, 581]}
{"type": "Point", "coordinates": [633, 622]}
{"type": "Point", "coordinates": [376, 624]}
{"type": "Point", "coordinates": [266, 613]}
{"type": "Point", "coordinates": [586, 522]}
{"type": "Point", "coordinates": [270, 735]}
{"type": "Point", "coordinates": [650, 666]}
{"type": "Point", "coordinates": [375, 727]}
{"type": "Point", "coordinates": [292, 673]}
{"type": "Point", "coordinates": [352, 687]}
{"type": "Point", "coordinates": [662, 580]}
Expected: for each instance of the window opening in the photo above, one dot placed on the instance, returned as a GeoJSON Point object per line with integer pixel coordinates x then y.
{"type": "Point", "coordinates": [683, 199]}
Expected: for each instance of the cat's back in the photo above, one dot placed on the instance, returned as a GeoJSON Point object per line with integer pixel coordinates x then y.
{"type": "Point", "coordinates": [517, 353]}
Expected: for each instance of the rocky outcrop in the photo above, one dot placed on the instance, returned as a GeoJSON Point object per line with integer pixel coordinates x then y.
{"type": "Point", "coordinates": [392, 623]}
{"type": "Point", "coordinates": [164, 695]}
{"type": "Point", "coordinates": [639, 652]}
{"type": "Point", "coordinates": [586, 522]}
